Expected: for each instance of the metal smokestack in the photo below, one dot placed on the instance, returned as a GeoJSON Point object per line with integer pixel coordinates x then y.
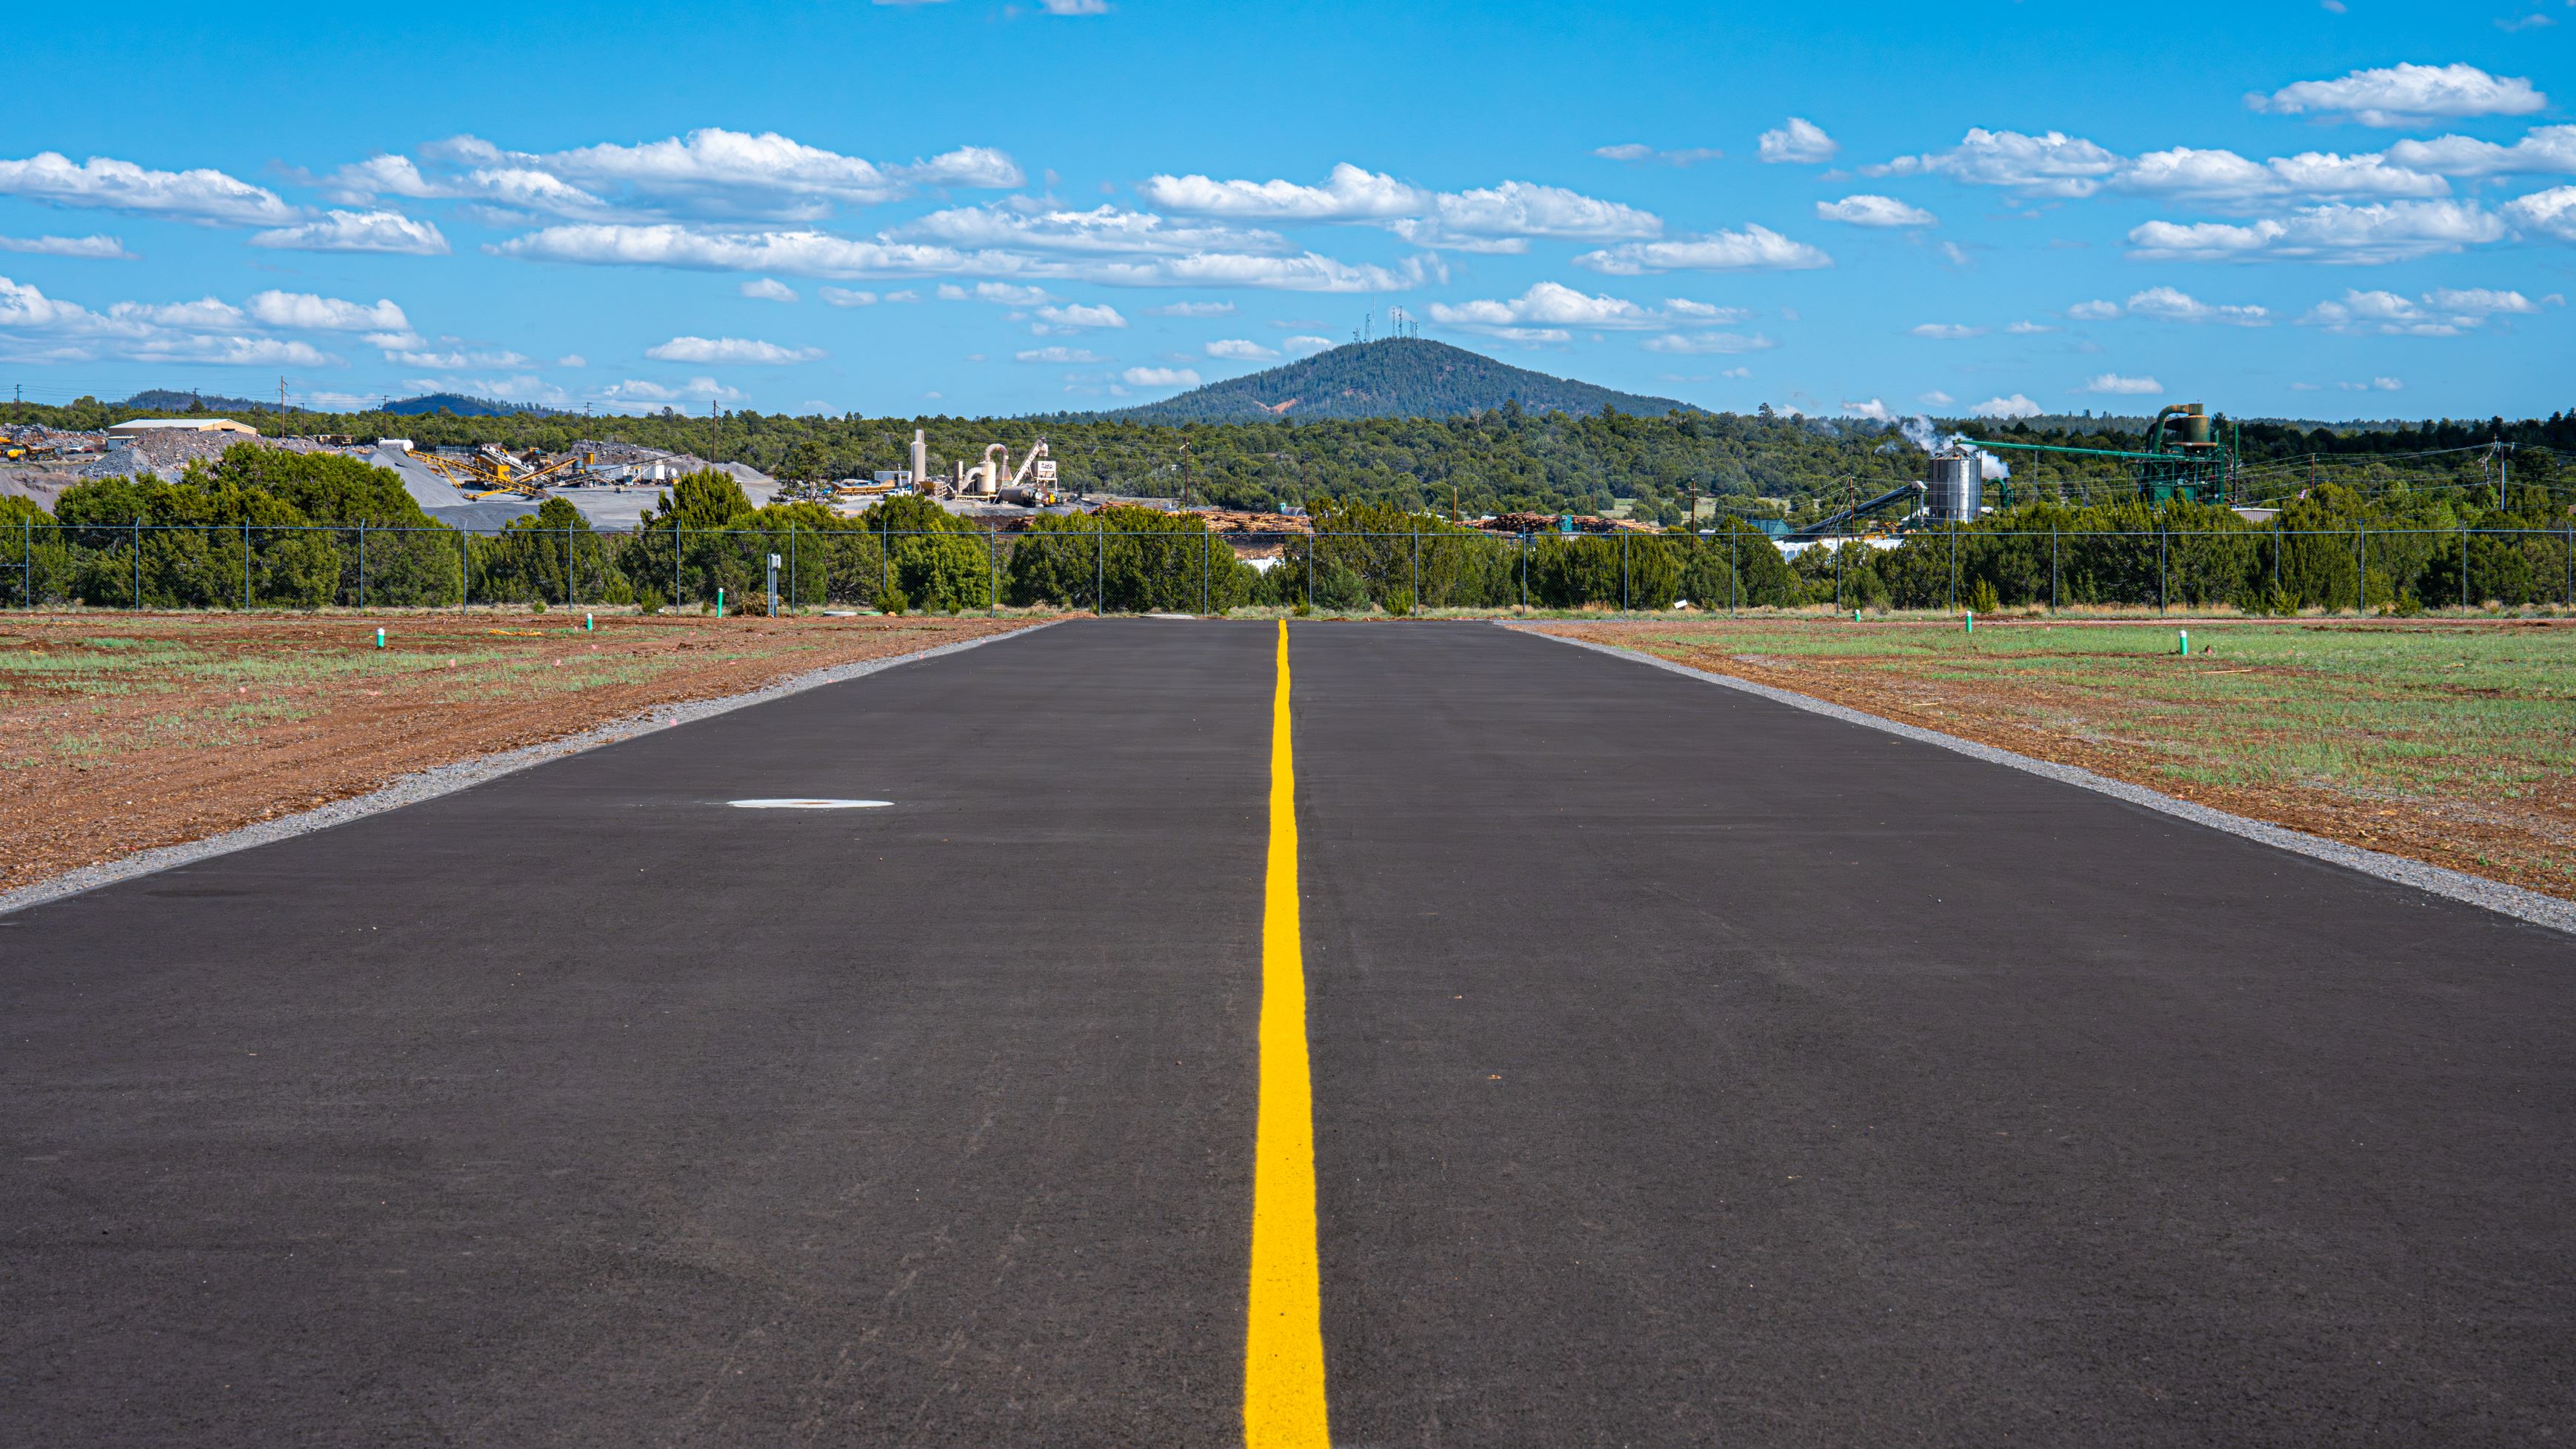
{"type": "Point", "coordinates": [920, 458]}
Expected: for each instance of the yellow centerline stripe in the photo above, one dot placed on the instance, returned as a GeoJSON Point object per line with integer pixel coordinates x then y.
{"type": "Point", "coordinates": [1283, 1349]}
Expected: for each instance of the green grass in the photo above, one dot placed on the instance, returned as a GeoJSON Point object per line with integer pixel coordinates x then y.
{"type": "Point", "coordinates": [2414, 711]}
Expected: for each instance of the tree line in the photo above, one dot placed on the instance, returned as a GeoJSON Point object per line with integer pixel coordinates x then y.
{"type": "Point", "coordinates": [1501, 460]}
{"type": "Point", "coordinates": [260, 527]}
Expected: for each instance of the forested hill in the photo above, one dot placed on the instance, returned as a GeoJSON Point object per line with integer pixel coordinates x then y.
{"type": "Point", "coordinates": [461, 405]}
{"type": "Point", "coordinates": [1399, 377]}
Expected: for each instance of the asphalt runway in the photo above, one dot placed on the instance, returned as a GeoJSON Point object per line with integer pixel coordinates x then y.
{"type": "Point", "coordinates": [1686, 1069]}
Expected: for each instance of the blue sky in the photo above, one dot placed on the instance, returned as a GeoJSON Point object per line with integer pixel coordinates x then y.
{"type": "Point", "coordinates": [2347, 209]}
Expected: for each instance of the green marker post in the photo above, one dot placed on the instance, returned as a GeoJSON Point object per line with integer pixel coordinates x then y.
{"type": "Point", "coordinates": [2184, 638]}
{"type": "Point", "coordinates": [719, 603]}
{"type": "Point", "coordinates": [380, 636]}
{"type": "Point", "coordinates": [1972, 622]}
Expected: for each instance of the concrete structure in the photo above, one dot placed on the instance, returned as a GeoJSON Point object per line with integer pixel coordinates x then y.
{"type": "Point", "coordinates": [136, 427]}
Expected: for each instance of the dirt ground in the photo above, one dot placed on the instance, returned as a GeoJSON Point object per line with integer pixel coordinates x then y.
{"type": "Point", "coordinates": [2449, 744]}
{"type": "Point", "coordinates": [121, 732]}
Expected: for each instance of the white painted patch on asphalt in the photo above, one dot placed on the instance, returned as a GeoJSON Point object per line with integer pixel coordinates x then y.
{"type": "Point", "coordinates": [786, 804]}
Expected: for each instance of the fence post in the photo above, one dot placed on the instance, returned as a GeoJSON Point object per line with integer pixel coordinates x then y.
{"type": "Point", "coordinates": [138, 563]}
{"type": "Point", "coordinates": [2276, 556]}
{"type": "Point", "coordinates": [245, 565]}
{"type": "Point", "coordinates": [464, 572]}
{"type": "Point", "coordinates": [569, 590]}
{"type": "Point", "coordinates": [675, 559]}
{"type": "Point", "coordinates": [1954, 567]}
{"type": "Point", "coordinates": [1310, 565]}
{"type": "Point", "coordinates": [2052, 568]}
{"type": "Point", "coordinates": [1625, 604]}
{"type": "Point", "coordinates": [1734, 564]}
{"type": "Point", "coordinates": [2464, 568]}
{"type": "Point", "coordinates": [2361, 569]}
{"type": "Point", "coordinates": [1207, 565]}
{"type": "Point", "coordinates": [791, 568]}
{"type": "Point", "coordinates": [1417, 567]}
{"type": "Point", "coordinates": [2160, 569]}
{"type": "Point", "coordinates": [362, 564]}
{"type": "Point", "coordinates": [1099, 563]}
{"type": "Point", "coordinates": [992, 569]}
{"type": "Point", "coordinates": [27, 561]}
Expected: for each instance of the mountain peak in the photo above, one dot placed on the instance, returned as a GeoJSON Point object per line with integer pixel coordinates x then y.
{"type": "Point", "coordinates": [1395, 377]}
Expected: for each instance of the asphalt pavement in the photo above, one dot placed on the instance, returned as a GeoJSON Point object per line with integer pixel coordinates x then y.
{"type": "Point", "coordinates": [1686, 1069]}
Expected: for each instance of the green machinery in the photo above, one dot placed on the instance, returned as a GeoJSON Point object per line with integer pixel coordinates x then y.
{"type": "Point", "coordinates": [2184, 459]}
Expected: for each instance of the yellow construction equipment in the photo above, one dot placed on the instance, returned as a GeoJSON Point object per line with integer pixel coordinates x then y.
{"type": "Point", "coordinates": [490, 472]}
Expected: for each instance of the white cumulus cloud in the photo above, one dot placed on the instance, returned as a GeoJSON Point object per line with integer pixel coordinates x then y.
{"type": "Point", "coordinates": [2405, 95]}
{"type": "Point", "coordinates": [1797, 140]}
{"type": "Point", "coordinates": [815, 253]}
{"type": "Point", "coordinates": [2049, 164]}
{"type": "Point", "coordinates": [729, 349]}
{"type": "Point", "coordinates": [1004, 293]}
{"type": "Point", "coordinates": [845, 297]}
{"type": "Point", "coordinates": [98, 247]}
{"type": "Point", "coordinates": [1059, 355]}
{"type": "Point", "coordinates": [1240, 349]}
{"type": "Point", "coordinates": [768, 289]}
{"type": "Point", "coordinates": [304, 311]}
{"type": "Point", "coordinates": [2442, 312]}
{"type": "Point", "coordinates": [2118, 386]}
{"type": "Point", "coordinates": [1755, 248]}
{"type": "Point", "coordinates": [2171, 304]}
{"type": "Point", "coordinates": [2548, 150]}
{"type": "Point", "coordinates": [1523, 209]}
{"type": "Point", "coordinates": [1192, 309]}
{"type": "Point", "coordinates": [388, 232]}
{"type": "Point", "coordinates": [1869, 210]}
{"type": "Point", "coordinates": [1632, 151]}
{"type": "Point", "coordinates": [2551, 212]}
{"type": "Point", "coordinates": [1079, 316]}
{"type": "Point", "coordinates": [1349, 194]}
{"type": "Point", "coordinates": [695, 390]}
{"type": "Point", "coordinates": [1160, 377]}
{"type": "Point", "coordinates": [209, 198]}
{"type": "Point", "coordinates": [1105, 230]}
{"type": "Point", "coordinates": [2227, 179]}
{"type": "Point", "coordinates": [1946, 331]}
{"type": "Point", "coordinates": [1703, 344]}
{"type": "Point", "coordinates": [2015, 406]}
{"type": "Point", "coordinates": [2380, 232]}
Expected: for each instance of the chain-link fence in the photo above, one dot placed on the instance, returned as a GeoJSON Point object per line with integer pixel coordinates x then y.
{"type": "Point", "coordinates": [1172, 562]}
